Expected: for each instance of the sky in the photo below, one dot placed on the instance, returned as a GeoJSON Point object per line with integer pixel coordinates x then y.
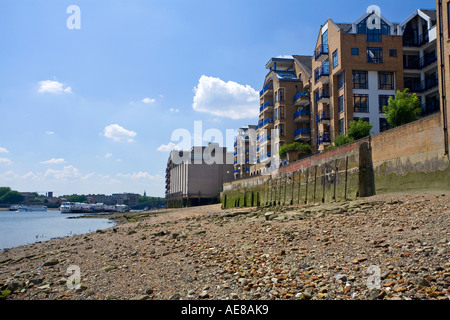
{"type": "Point", "coordinates": [92, 97]}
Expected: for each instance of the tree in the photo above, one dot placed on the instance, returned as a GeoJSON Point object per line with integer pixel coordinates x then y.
{"type": "Point", "coordinates": [359, 129]}
{"type": "Point", "coordinates": [12, 197]}
{"type": "Point", "coordinates": [403, 109]}
{"type": "Point", "coordinates": [4, 190]}
{"type": "Point", "coordinates": [341, 140]}
{"type": "Point", "coordinates": [295, 146]}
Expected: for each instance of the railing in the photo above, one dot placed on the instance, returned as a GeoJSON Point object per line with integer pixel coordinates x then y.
{"type": "Point", "coordinates": [322, 116]}
{"type": "Point", "coordinates": [266, 105]}
{"type": "Point", "coordinates": [420, 63]}
{"type": "Point", "coordinates": [302, 131]}
{"type": "Point", "coordinates": [323, 93]}
{"type": "Point", "coordinates": [323, 138]}
{"type": "Point", "coordinates": [301, 94]}
{"type": "Point", "coordinates": [300, 113]}
{"type": "Point", "coordinates": [265, 155]}
{"type": "Point", "coordinates": [266, 88]}
{"type": "Point", "coordinates": [265, 138]}
{"type": "Point", "coordinates": [424, 85]}
{"type": "Point", "coordinates": [323, 71]}
{"type": "Point", "coordinates": [415, 41]}
{"type": "Point", "coordinates": [320, 50]}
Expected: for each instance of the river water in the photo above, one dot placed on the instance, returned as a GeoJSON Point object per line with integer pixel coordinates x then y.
{"type": "Point", "coordinates": [21, 228]}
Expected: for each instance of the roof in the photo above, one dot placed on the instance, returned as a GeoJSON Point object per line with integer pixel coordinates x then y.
{"type": "Point", "coordinates": [306, 63]}
{"type": "Point", "coordinates": [431, 13]}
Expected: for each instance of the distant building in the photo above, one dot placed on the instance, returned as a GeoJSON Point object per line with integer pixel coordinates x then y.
{"type": "Point", "coordinates": [196, 177]}
{"type": "Point", "coordinates": [244, 151]}
{"type": "Point", "coordinates": [129, 199]}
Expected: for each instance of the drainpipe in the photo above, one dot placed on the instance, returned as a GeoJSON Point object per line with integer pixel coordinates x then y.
{"type": "Point", "coordinates": [443, 92]}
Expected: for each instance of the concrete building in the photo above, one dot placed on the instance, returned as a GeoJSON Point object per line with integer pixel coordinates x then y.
{"type": "Point", "coordinates": [284, 109]}
{"type": "Point", "coordinates": [196, 177]}
{"type": "Point", "coordinates": [129, 199]}
{"type": "Point", "coordinates": [244, 151]}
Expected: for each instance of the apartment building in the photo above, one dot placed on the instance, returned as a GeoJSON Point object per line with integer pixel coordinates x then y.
{"type": "Point", "coordinates": [244, 151]}
{"type": "Point", "coordinates": [443, 49]}
{"type": "Point", "coordinates": [358, 66]}
{"type": "Point", "coordinates": [420, 58]}
{"type": "Point", "coordinates": [355, 66]}
{"type": "Point", "coordinates": [196, 177]}
{"type": "Point", "coordinates": [284, 109]}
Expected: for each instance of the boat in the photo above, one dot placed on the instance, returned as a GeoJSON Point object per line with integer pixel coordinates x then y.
{"type": "Point", "coordinates": [14, 207]}
{"type": "Point", "coordinates": [78, 207]}
{"type": "Point", "coordinates": [30, 208]}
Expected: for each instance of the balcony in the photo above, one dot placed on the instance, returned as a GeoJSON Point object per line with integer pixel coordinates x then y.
{"type": "Point", "coordinates": [321, 52]}
{"type": "Point", "coordinates": [424, 85]}
{"type": "Point", "coordinates": [302, 134]}
{"type": "Point", "coordinates": [266, 105]}
{"type": "Point", "coordinates": [265, 139]}
{"type": "Point", "coordinates": [267, 88]}
{"type": "Point", "coordinates": [301, 98]}
{"type": "Point", "coordinates": [429, 108]}
{"type": "Point", "coordinates": [265, 122]}
{"type": "Point", "coordinates": [323, 96]}
{"type": "Point", "coordinates": [302, 115]}
{"type": "Point", "coordinates": [416, 63]}
{"type": "Point", "coordinates": [323, 138]}
{"type": "Point", "coordinates": [322, 116]}
{"type": "Point", "coordinates": [322, 73]}
{"type": "Point", "coordinates": [415, 40]}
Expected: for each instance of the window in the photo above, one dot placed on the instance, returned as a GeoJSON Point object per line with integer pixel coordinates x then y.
{"type": "Point", "coordinates": [384, 125]}
{"type": "Point", "coordinates": [361, 103]}
{"type": "Point", "coordinates": [275, 113]}
{"type": "Point", "coordinates": [341, 104]}
{"type": "Point", "coordinates": [281, 130]}
{"type": "Point", "coordinates": [325, 38]}
{"type": "Point", "coordinates": [335, 59]}
{"type": "Point", "coordinates": [448, 18]}
{"type": "Point", "coordinates": [383, 101]}
{"type": "Point", "coordinates": [375, 55]}
{"type": "Point", "coordinates": [360, 80]}
{"type": "Point", "coordinates": [341, 126]}
{"type": "Point", "coordinates": [281, 110]}
{"type": "Point", "coordinates": [385, 80]}
{"type": "Point", "coordinates": [355, 51]}
{"type": "Point", "coordinates": [393, 53]}
{"type": "Point", "coordinates": [373, 35]}
{"type": "Point", "coordinates": [341, 80]}
{"type": "Point", "coordinates": [280, 95]}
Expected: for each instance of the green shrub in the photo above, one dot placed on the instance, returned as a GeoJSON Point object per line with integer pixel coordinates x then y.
{"type": "Point", "coordinates": [295, 146]}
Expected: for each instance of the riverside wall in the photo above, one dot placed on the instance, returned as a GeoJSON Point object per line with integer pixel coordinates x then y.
{"type": "Point", "coordinates": [404, 159]}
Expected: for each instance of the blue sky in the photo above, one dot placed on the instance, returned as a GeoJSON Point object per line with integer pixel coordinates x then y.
{"type": "Point", "coordinates": [92, 110]}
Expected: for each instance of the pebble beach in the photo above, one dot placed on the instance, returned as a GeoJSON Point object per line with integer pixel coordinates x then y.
{"type": "Point", "coordinates": [385, 247]}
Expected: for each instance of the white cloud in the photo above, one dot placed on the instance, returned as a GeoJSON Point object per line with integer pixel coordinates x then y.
{"type": "Point", "coordinates": [54, 161]}
{"type": "Point", "coordinates": [225, 99]}
{"type": "Point", "coordinates": [119, 134]}
{"type": "Point", "coordinates": [148, 100]}
{"type": "Point", "coordinates": [139, 175]}
{"type": "Point", "coordinates": [108, 155]}
{"type": "Point", "coordinates": [167, 147]}
{"type": "Point", "coordinates": [53, 87]}
{"type": "Point", "coordinates": [173, 110]}
{"type": "Point", "coordinates": [5, 161]}
{"type": "Point", "coordinates": [68, 172]}
{"type": "Point", "coordinates": [49, 132]}
{"type": "Point", "coordinates": [3, 150]}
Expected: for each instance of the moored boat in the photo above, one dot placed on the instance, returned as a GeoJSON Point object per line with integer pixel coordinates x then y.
{"type": "Point", "coordinates": [30, 208]}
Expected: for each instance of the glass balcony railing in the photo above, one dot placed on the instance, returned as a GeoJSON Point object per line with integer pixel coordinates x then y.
{"type": "Point", "coordinates": [320, 72]}
{"type": "Point", "coordinates": [302, 131]}
{"type": "Point", "coordinates": [322, 116]}
{"type": "Point", "coordinates": [301, 94]}
{"type": "Point", "coordinates": [324, 137]}
{"type": "Point", "coordinates": [321, 50]}
{"type": "Point", "coordinates": [266, 105]}
{"type": "Point", "coordinates": [301, 113]}
{"type": "Point", "coordinates": [266, 88]}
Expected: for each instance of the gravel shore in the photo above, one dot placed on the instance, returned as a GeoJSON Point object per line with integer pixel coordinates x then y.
{"type": "Point", "coordinates": [393, 246]}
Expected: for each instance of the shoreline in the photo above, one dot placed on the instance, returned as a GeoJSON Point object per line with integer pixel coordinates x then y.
{"type": "Point", "coordinates": [318, 252]}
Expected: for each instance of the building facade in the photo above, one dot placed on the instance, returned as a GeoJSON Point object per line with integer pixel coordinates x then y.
{"type": "Point", "coordinates": [244, 151]}
{"type": "Point", "coordinates": [196, 177]}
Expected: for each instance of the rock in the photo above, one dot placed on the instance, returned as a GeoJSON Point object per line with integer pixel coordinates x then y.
{"type": "Point", "coordinates": [109, 267]}
{"type": "Point", "coordinates": [140, 297]}
{"type": "Point", "coordinates": [175, 296]}
{"type": "Point", "coordinates": [421, 282]}
{"type": "Point", "coordinates": [270, 215]}
{"type": "Point", "coordinates": [148, 291]}
{"type": "Point", "coordinates": [44, 287]}
{"type": "Point", "coordinates": [130, 232]}
{"type": "Point", "coordinates": [204, 295]}
{"type": "Point", "coordinates": [234, 296]}
{"type": "Point", "coordinates": [51, 262]}
{"type": "Point", "coordinates": [14, 286]}
{"type": "Point", "coordinates": [342, 277]}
